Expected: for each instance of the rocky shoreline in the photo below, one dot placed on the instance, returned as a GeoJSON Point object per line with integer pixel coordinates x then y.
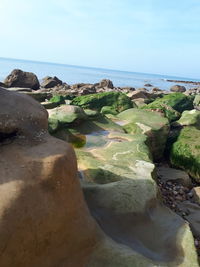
{"type": "Point", "coordinates": [186, 82]}
{"type": "Point", "coordinates": [138, 159]}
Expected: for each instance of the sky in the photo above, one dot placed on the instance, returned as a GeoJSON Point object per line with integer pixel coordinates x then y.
{"type": "Point", "coordinates": [149, 36]}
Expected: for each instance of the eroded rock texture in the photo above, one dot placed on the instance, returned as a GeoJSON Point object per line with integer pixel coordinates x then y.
{"type": "Point", "coordinates": [43, 218]}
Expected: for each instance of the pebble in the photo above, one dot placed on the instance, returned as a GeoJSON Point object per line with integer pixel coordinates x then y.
{"type": "Point", "coordinates": [190, 194]}
{"type": "Point", "coordinates": [172, 195]}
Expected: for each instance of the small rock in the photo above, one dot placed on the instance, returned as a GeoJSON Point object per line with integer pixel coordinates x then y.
{"type": "Point", "coordinates": [178, 88]}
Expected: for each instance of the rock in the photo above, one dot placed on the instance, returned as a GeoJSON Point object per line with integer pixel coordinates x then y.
{"type": "Point", "coordinates": [156, 89]}
{"type": "Point", "coordinates": [38, 95]}
{"type": "Point", "coordinates": [44, 220]}
{"type": "Point", "coordinates": [152, 124]}
{"type": "Point", "coordinates": [137, 94]}
{"type": "Point", "coordinates": [196, 101]}
{"type": "Point", "coordinates": [91, 113]}
{"type": "Point", "coordinates": [19, 78]}
{"type": "Point", "coordinates": [172, 105]}
{"type": "Point", "coordinates": [39, 184]}
{"type": "Point", "coordinates": [169, 174]}
{"type": "Point", "coordinates": [117, 161]}
{"type": "Point", "coordinates": [148, 85]}
{"type": "Point", "coordinates": [140, 102]}
{"type": "Point", "coordinates": [116, 174]}
{"type": "Point", "coordinates": [2, 85]}
{"type": "Point", "coordinates": [57, 100]}
{"type": "Point", "coordinates": [192, 212]}
{"type": "Point", "coordinates": [178, 88]}
{"type": "Point", "coordinates": [185, 152]}
{"type": "Point", "coordinates": [49, 82]}
{"type": "Point", "coordinates": [49, 105]}
{"type": "Point", "coordinates": [143, 89]}
{"type": "Point", "coordinates": [77, 86]}
{"type": "Point", "coordinates": [189, 118]}
{"type": "Point", "coordinates": [118, 101]}
{"type": "Point", "coordinates": [127, 88]}
{"type": "Point", "coordinates": [109, 110]}
{"type": "Point", "coordinates": [12, 120]}
{"type": "Point", "coordinates": [196, 194]}
{"type": "Point", "coordinates": [106, 83]}
{"type": "Point", "coordinates": [85, 90]}
{"type": "Point", "coordinates": [64, 115]}
{"type": "Point", "coordinates": [18, 89]}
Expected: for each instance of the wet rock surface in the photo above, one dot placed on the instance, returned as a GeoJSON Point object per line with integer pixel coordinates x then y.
{"type": "Point", "coordinates": [132, 200]}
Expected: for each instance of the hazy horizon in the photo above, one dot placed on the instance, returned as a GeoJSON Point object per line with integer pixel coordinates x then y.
{"type": "Point", "coordinates": [148, 36]}
{"type": "Point", "coordinates": [94, 67]}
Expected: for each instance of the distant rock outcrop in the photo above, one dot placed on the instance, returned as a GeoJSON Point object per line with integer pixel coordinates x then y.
{"type": "Point", "coordinates": [19, 78]}
{"type": "Point", "coordinates": [49, 82]}
{"type": "Point", "coordinates": [106, 83]}
{"type": "Point", "coordinates": [178, 88]}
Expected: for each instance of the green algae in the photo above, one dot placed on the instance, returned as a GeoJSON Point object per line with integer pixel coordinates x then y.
{"type": "Point", "coordinates": [172, 105]}
{"type": "Point", "coordinates": [118, 101]}
{"type": "Point", "coordinates": [185, 152]}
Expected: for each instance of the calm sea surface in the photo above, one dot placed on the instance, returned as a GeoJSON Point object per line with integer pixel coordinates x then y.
{"type": "Point", "coordinates": [75, 74]}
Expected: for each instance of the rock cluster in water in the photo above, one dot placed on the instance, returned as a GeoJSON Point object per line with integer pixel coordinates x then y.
{"type": "Point", "coordinates": [119, 204]}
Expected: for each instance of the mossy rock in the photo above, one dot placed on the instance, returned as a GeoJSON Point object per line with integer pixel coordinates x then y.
{"type": "Point", "coordinates": [108, 110]}
{"type": "Point", "coordinates": [118, 101]}
{"type": "Point", "coordinates": [91, 113]}
{"type": "Point", "coordinates": [172, 105]}
{"type": "Point", "coordinates": [89, 133]}
{"type": "Point", "coordinates": [124, 156]}
{"type": "Point", "coordinates": [61, 117]}
{"type": "Point", "coordinates": [185, 152]}
{"type": "Point", "coordinates": [190, 118]}
{"type": "Point", "coordinates": [37, 95]}
{"type": "Point", "coordinates": [196, 101]}
{"type": "Point", "coordinates": [49, 105]}
{"type": "Point", "coordinates": [58, 99]}
{"type": "Point", "coordinates": [53, 125]}
{"type": "Point", "coordinates": [152, 124]}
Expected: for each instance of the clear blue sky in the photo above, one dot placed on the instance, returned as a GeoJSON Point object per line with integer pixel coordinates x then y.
{"type": "Point", "coordinates": [152, 36]}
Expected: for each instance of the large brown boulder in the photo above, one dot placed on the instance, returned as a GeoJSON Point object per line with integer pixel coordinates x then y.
{"type": "Point", "coordinates": [43, 218]}
{"type": "Point", "coordinates": [19, 78]}
{"type": "Point", "coordinates": [49, 82]}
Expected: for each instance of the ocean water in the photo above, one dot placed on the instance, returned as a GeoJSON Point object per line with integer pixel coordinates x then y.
{"type": "Point", "coordinates": [76, 74]}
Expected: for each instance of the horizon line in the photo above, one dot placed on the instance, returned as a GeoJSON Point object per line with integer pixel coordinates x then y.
{"type": "Point", "coordinates": [89, 67]}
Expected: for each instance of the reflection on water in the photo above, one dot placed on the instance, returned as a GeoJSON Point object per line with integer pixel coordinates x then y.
{"type": "Point", "coordinates": [93, 140]}
{"type": "Point", "coordinates": [78, 140]}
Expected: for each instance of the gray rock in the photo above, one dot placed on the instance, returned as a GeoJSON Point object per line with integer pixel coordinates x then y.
{"type": "Point", "coordinates": [148, 85]}
{"type": "Point", "coordinates": [169, 174]}
{"type": "Point", "coordinates": [192, 215]}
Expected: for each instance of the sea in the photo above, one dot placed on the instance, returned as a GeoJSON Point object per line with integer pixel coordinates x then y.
{"type": "Point", "coordinates": [78, 74]}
